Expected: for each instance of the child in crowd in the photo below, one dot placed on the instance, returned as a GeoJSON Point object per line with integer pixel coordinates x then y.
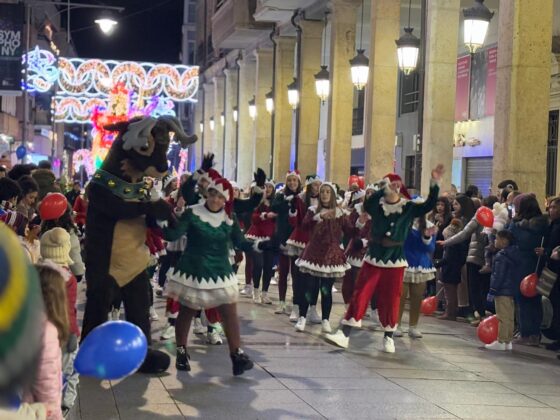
{"type": "Point", "coordinates": [55, 250]}
{"type": "Point", "coordinates": [504, 285]}
{"type": "Point", "coordinates": [501, 219]}
{"type": "Point", "coordinates": [47, 387]}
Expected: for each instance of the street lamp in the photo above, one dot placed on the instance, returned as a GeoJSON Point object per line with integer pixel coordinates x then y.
{"type": "Point", "coordinates": [323, 84]}
{"type": "Point", "coordinates": [293, 94]}
{"type": "Point", "coordinates": [235, 114]}
{"type": "Point", "coordinates": [211, 123]}
{"type": "Point", "coordinates": [222, 119]}
{"type": "Point", "coordinates": [269, 102]}
{"type": "Point", "coordinates": [107, 22]}
{"type": "Point", "coordinates": [477, 19]}
{"type": "Point", "coordinates": [408, 47]}
{"type": "Point", "coordinates": [359, 65]}
{"type": "Point", "coordinates": [252, 109]}
{"type": "Point", "coordinates": [201, 126]}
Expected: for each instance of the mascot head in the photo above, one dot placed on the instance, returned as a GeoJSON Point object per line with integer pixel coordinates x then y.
{"type": "Point", "coordinates": [141, 147]}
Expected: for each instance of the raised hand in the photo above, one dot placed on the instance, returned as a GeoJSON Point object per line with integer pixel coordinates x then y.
{"type": "Point", "coordinates": [259, 178]}
{"type": "Point", "coordinates": [437, 172]}
{"type": "Point", "coordinates": [207, 162]}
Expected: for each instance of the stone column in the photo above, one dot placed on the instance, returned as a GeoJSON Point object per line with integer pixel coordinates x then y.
{"type": "Point", "coordinates": [230, 157]}
{"type": "Point", "coordinates": [522, 93]}
{"type": "Point", "coordinates": [247, 73]}
{"type": "Point", "coordinates": [309, 103]}
{"type": "Point", "coordinates": [263, 85]}
{"type": "Point", "coordinates": [208, 113]}
{"type": "Point", "coordinates": [197, 147]}
{"type": "Point", "coordinates": [380, 114]}
{"type": "Point", "coordinates": [282, 111]}
{"type": "Point", "coordinates": [218, 134]}
{"type": "Point", "coordinates": [439, 89]}
{"type": "Point", "coordinates": [339, 129]}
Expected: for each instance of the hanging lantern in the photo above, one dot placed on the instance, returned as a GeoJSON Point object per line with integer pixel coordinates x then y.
{"type": "Point", "coordinates": [359, 67]}
{"type": "Point", "coordinates": [293, 94]}
{"type": "Point", "coordinates": [269, 102]}
{"type": "Point", "coordinates": [323, 84]}
{"type": "Point", "coordinates": [222, 119]}
{"type": "Point", "coordinates": [235, 114]}
{"type": "Point", "coordinates": [408, 47]}
{"type": "Point", "coordinates": [475, 26]}
{"type": "Point", "coordinates": [211, 123]}
{"type": "Point", "coordinates": [252, 109]}
{"type": "Point", "coordinates": [201, 126]}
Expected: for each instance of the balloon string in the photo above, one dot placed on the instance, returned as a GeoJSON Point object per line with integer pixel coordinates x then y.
{"type": "Point", "coordinates": [539, 260]}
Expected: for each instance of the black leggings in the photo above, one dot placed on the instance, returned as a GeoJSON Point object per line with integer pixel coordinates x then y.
{"type": "Point", "coordinates": [479, 285]}
{"type": "Point", "coordinates": [262, 265]}
{"type": "Point", "coordinates": [310, 291]}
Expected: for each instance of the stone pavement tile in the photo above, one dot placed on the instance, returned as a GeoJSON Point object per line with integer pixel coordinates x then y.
{"type": "Point", "coordinates": [100, 414]}
{"type": "Point", "coordinates": [498, 367]}
{"type": "Point", "coordinates": [371, 383]}
{"type": "Point", "coordinates": [317, 351]}
{"type": "Point", "coordinates": [498, 412]}
{"type": "Point", "coordinates": [262, 410]}
{"type": "Point", "coordinates": [532, 389]}
{"type": "Point", "coordinates": [452, 396]}
{"type": "Point", "coordinates": [375, 408]}
{"type": "Point", "coordinates": [138, 390]}
{"type": "Point", "coordinates": [542, 378]}
{"type": "Point", "coordinates": [315, 368]}
{"type": "Point", "coordinates": [401, 360]}
{"type": "Point", "coordinates": [315, 397]}
{"type": "Point", "coordinates": [95, 395]}
{"type": "Point", "coordinates": [208, 395]}
{"type": "Point", "coordinates": [429, 374]}
{"type": "Point", "coordinates": [550, 400]}
{"type": "Point", "coordinates": [151, 411]}
{"type": "Point", "coordinates": [435, 386]}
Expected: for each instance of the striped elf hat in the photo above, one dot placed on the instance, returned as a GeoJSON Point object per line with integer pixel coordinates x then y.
{"type": "Point", "coordinates": [21, 314]}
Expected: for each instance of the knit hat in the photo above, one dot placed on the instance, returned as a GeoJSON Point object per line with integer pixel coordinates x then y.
{"type": "Point", "coordinates": [16, 221]}
{"type": "Point", "coordinates": [224, 187]}
{"type": "Point", "coordinates": [55, 246]}
{"type": "Point", "coordinates": [333, 186]}
{"type": "Point", "coordinates": [454, 227]}
{"type": "Point", "coordinates": [310, 179]}
{"type": "Point", "coordinates": [167, 180]}
{"type": "Point", "coordinates": [392, 177]}
{"type": "Point", "coordinates": [295, 173]}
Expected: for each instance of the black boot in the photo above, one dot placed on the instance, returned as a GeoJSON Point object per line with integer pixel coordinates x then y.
{"type": "Point", "coordinates": [156, 362]}
{"type": "Point", "coordinates": [182, 361]}
{"type": "Point", "coordinates": [241, 362]}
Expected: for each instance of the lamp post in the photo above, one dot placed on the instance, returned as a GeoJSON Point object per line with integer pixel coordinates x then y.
{"type": "Point", "coordinates": [235, 114]}
{"type": "Point", "coordinates": [201, 127]}
{"type": "Point", "coordinates": [359, 65]}
{"type": "Point", "coordinates": [323, 84]}
{"type": "Point", "coordinates": [211, 123]}
{"type": "Point", "coordinates": [269, 102]}
{"type": "Point", "coordinates": [252, 108]}
{"type": "Point", "coordinates": [408, 47]}
{"type": "Point", "coordinates": [293, 94]}
{"type": "Point", "coordinates": [222, 119]}
{"type": "Point", "coordinates": [477, 20]}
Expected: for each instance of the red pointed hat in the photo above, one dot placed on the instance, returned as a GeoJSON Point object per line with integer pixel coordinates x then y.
{"type": "Point", "coordinates": [392, 177]}
{"type": "Point", "coordinates": [223, 186]}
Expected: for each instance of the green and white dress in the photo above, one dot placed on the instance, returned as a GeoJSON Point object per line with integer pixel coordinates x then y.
{"type": "Point", "coordinates": [203, 278]}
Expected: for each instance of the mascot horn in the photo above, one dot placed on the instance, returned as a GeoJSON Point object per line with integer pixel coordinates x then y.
{"type": "Point", "coordinates": [119, 208]}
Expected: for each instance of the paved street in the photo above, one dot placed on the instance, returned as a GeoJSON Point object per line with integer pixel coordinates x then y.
{"type": "Point", "coordinates": [444, 375]}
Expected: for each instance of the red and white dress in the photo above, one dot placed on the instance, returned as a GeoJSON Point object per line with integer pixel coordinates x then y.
{"type": "Point", "coordinates": [323, 256]}
{"type": "Point", "coordinates": [299, 238]}
{"type": "Point", "coordinates": [361, 232]}
{"type": "Point", "coordinates": [262, 227]}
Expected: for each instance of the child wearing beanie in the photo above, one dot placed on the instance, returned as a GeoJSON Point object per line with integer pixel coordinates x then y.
{"type": "Point", "coordinates": [55, 249]}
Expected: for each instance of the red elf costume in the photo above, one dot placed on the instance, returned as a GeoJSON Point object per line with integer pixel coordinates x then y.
{"type": "Point", "coordinates": [384, 263]}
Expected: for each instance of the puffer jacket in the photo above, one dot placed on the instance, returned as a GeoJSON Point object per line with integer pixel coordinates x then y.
{"type": "Point", "coordinates": [505, 278]}
{"type": "Point", "coordinates": [529, 235]}
{"type": "Point", "coordinates": [478, 241]}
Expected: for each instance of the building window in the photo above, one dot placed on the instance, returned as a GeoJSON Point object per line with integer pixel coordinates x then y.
{"type": "Point", "coordinates": [552, 153]}
{"type": "Point", "coordinates": [409, 92]}
{"type": "Point", "coordinates": [358, 113]}
{"type": "Point", "coordinates": [191, 11]}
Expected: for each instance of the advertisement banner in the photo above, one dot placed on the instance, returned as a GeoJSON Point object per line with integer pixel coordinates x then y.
{"type": "Point", "coordinates": [12, 17]}
{"type": "Point", "coordinates": [490, 100]}
{"type": "Point", "coordinates": [463, 88]}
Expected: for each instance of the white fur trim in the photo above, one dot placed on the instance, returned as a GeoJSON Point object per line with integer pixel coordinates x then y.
{"type": "Point", "coordinates": [322, 270]}
{"type": "Point", "coordinates": [389, 264]}
{"type": "Point", "coordinates": [396, 208]}
{"type": "Point", "coordinates": [213, 219]}
{"type": "Point", "coordinates": [427, 241]}
{"type": "Point", "coordinates": [359, 224]}
{"type": "Point", "coordinates": [296, 244]}
{"type": "Point", "coordinates": [257, 238]}
{"type": "Point", "coordinates": [256, 247]}
{"type": "Point", "coordinates": [292, 213]}
{"type": "Point", "coordinates": [289, 197]}
{"type": "Point", "coordinates": [292, 251]}
{"type": "Point", "coordinates": [162, 223]}
{"type": "Point", "coordinates": [174, 275]}
{"type": "Point", "coordinates": [197, 298]}
{"type": "Point", "coordinates": [263, 215]}
{"type": "Point", "coordinates": [317, 217]}
{"type": "Point", "coordinates": [352, 322]}
{"type": "Point", "coordinates": [258, 190]}
{"type": "Point", "coordinates": [420, 270]}
{"type": "Point", "coordinates": [355, 262]}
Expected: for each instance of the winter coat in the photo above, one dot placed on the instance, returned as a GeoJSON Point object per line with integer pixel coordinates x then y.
{"type": "Point", "coordinates": [78, 268]}
{"type": "Point", "coordinates": [80, 207]}
{"type": "Point", "coordinates": [454, 257]}
{"type": "Point", "coordinates": [45, 179]}
{"type": "Point", "coordinates": [71, 299]}
{"type": "Point", "coordinates": [262, 227]}
{"type": "Point", "coordinates": [418, 251]}
{"type": "Point", "coordinates": [281, 205]}
{"type": "Point", "coordinates": [478, 241]}
{"type": "Point", "coordinates": [47, 386]}
{"type": "Point", "coordinates": [528, 235]}
{"type": "Point", "coordinates": [505, 278]}
{"type": "Point", "coordinates": [552, 242]}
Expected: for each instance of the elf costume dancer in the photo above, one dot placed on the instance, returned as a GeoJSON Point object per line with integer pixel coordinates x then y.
{"type": "Point", "coordinates": [384, 263]}
{"type": "Point", "coordinates": [203, 277]}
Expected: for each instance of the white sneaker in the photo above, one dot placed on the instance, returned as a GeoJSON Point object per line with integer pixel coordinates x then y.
{"type": "Point", "coordinates": [388, 345]}
{"type": "Point", "coordinates": [294, 316]}
{"type": "Point", "coordinates": [273, 281]}
{"type": "Point", "coordinates": [509, 346]}
{"type": "Point", "coordinates": [300, 325]}
{"type": "Point", "coordinates": [326, 326]}
{"type": "Point", "coordinates": [198, 328]}
{"type": "Point", "coordinates": [247, 291]}
{"type": "Point", "coordinates": [265, 299]}
{"type": "Point", "coordinates": [414, 332]}
{"type": "Point", "coordinates": [338, 339]}
{"type": "Point", "coordinates": [281, 308]}
{"type": "Point", "coordinates": [334, 290]}
{"type": "Point", "coordinates": [314, 317]}
{"type": "Point", "coordinates": [352, 322]}
{"type": "Point", "coordinates": [398, 333]}
{"type": "Point", "coordinates": [153, 314]}
{"type": "Point", "coordinates": [115, 314]}
{"type": "Point", "coordinates": [168, 332]}
{"type": "Point", "coordinates": [496, 345]}
{"type": "Point", "coordinates": [214, 337]}
{"type": "Point", "coordinates": [257, 296]}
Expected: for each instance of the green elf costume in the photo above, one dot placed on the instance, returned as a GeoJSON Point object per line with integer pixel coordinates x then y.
{"type": "Point", "coordinates": [384, 264]}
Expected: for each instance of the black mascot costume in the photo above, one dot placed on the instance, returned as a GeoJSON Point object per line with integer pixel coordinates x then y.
{"type": "Point", "coordinates": [118, 213]}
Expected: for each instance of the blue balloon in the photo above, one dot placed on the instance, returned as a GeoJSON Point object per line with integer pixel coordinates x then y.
{"type": "Point", "coordinates": [113, 350]}
{"type": "Point", "coordinates": [21, 151]}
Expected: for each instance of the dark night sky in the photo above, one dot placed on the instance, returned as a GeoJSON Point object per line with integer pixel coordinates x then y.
{"type": "Point", "coordinates": [153, 35]}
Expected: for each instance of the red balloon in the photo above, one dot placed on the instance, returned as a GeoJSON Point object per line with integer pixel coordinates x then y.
{"type": "Point", "coordinates": [429, 305]}
{"type": "Point", "coordinates": [487, 330]}
{"type": "Point", "coordinates": [353, 179]}
{"type": "Point", "coordinates": [362, 182]}
{"type": "Point", "coordinates": [485, 217]}
{"type": "Point", "coordinates": [52, 206]}
{"type": "Point", "coordinates": [528, 285]}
